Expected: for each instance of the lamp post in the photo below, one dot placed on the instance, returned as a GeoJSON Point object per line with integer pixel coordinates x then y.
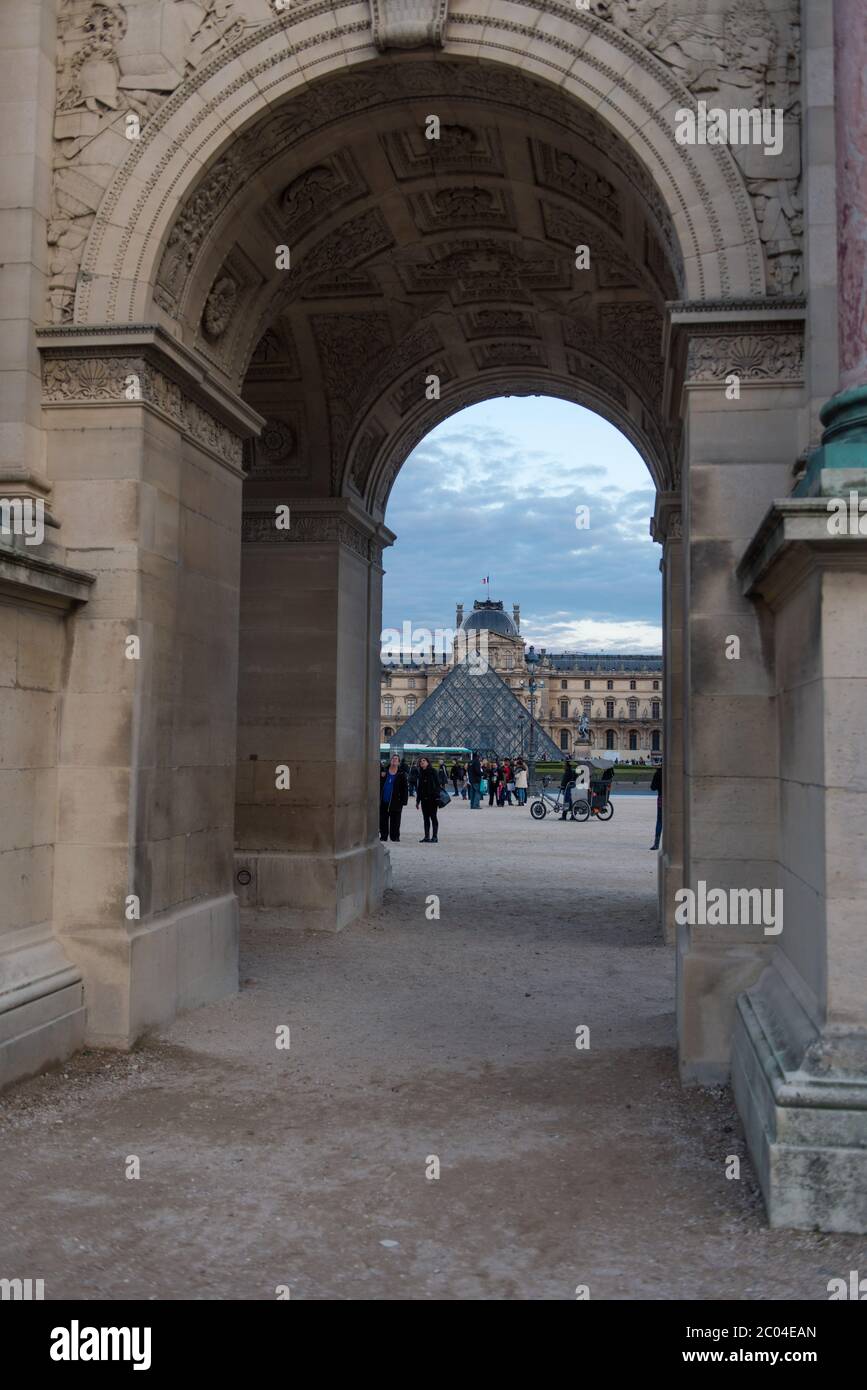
{"type": "Point", "coordinates": [532, 661]}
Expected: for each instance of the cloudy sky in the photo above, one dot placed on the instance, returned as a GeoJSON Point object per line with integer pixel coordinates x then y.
{"type": "Point", "coordinates": [494, 490]}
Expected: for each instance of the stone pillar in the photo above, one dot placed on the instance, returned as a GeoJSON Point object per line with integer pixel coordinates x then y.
{"type": "Point", "coordinates": [28, 42]}
{"type": "Point", "coordinates": [307, 840]}
{"type": "Point", "coordinates": [666, 527]}
{"type": "Point", "coordinates": [800, 1044]}
{"type": "Point", "coordinates": [840, 465]}
{"type": "Point", "coordinates": [145, 460]}
{"type": "Point", "coordinates": [744, 387]}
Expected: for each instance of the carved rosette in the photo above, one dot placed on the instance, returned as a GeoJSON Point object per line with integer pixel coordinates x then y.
{"type": "Point", "coordinates": [133, 381]}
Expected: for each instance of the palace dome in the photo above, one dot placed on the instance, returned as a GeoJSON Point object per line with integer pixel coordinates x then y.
{"type": "Point", "coordinates": [490, 616]}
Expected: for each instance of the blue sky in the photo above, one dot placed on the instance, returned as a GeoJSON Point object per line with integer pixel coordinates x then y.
{"type": "Point", "coordinates": [494, 490]}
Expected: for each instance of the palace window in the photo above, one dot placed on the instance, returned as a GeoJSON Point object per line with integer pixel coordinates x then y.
{"type": "Point", "coordinates": [609, 685]}
{"type": "Point", "coordinates": [609, 738]}
{"type": "Point", "coordinates": [586, 685]}
{"type": "Point", "coordinates": [633, 709]}
{"type": "Point", "coordinates": [564, 740]}
{"type": "Point", "coordinates": [609, 709]}
{"type": "Point", "coordinates": [388, 705]}
{"type": "Point", "coordinates": [387, 733]}
{"type": "Point", "coordinates": [656, 685]}
{"type": "Point", "coordinates": [655, 743]}
{"type": "Point", "coordinates": [633, 740]}
{"type": "Point", "coordinates": [564, 685]}
{"type": "Point", "coordinates": [410, 704]}
{"type": "Point", "coordinates": [564, 709]}
{"type": "Point", "coordinates": [632, 685]}
{"type": "Point", "coordinates": [411, 682]}
{"type": "Point", "coordinates": [654, 709]}
{"type": "Point", "coordinates": [586, 703]}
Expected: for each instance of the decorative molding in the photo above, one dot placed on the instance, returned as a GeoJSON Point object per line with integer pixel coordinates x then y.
{"type": "Point", "coordinates": [756, 356]}
{"type": "Point", "coordinates": [75, 380]}
{"type": "Point", "coordinates": [258, 524]}
{"type": "Point", "coordinates": [408, 23]}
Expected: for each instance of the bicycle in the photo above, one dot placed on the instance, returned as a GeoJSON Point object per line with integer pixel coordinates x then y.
{"type": "Point", "coordinates": [545, 802]}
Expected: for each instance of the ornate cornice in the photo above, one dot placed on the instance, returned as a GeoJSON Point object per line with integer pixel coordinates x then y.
{"type": "Point", "coordinates": [76, 377]}
{"type": "Point", "coordinates": [313, 522]}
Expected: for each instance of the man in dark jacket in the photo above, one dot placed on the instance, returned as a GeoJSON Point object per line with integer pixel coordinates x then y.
{"type": "Point", "coordinates": [656, 786]}
{"type": "Point", "coordinates": [567, 782]}
{"type": "Point", "coordinates": [475, 776]}
{"type": "Point", "coordinates": [393, 796]}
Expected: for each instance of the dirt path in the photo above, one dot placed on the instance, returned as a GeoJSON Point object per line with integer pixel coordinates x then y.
{"type": "Point", "coordinates": [412, 1038]}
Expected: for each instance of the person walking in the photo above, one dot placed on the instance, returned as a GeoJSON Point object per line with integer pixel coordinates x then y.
{"type": "Point", "coordinates": [493, 782]}
{"type": "Point", "coordinates": [475, 780]}
{"type": "Point", "coordinates": [521, 780]}
{"type": "Point", "coordinates": [567, 782]}
{"type": "Point", "coordinates": [508, 781]}
{"type": "Point", "coordinates": [393, 796]}
{"type": "Point", "coordinates": [455, 775]}
{"type": "Point", "coordinates": [442, 774]}
{"type": "Point", "coordinates": [656, 786]}
{"type": "Point", "coordinates": [427, 796]}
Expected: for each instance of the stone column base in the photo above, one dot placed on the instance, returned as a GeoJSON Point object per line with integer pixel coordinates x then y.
{"type": "Point", "coordinates": [802, 1097]}
{"type": "Point", "coordinates": [142, 978]}
{"type": "Point", "coordinates": [709, 980]}
{"type": "Point", "coordinates": [669, 879]}
{"type": "Point", "coordinates": [41, 1007]}
{"type": "Point", "coordinates": [314, 892]}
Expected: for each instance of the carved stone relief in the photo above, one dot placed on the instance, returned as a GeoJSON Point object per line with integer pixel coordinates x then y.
{"type": "Point", "coordinates": [761, 355]}
{"type": "Point", "coordinates": [280, 451]}
{"type": "Point", "coordinates": [560, 170]}
{"type": "Point", "coordinates": [461, 149]}
{"type": "Point", "coordinates": [737, 54]}
{"type": "Point", "coordinates": [96, 380]}
{"type": "Point", "coordinates": [464, 205]}
{"type": "Point", "coordinates": [509, 355]}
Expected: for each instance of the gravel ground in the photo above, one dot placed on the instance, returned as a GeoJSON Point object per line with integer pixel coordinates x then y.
{"type": "Point", "coordinates": [413, 1037]}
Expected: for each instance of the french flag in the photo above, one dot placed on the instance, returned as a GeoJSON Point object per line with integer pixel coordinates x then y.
{"type": "Point", "coordinates": [487, 579]}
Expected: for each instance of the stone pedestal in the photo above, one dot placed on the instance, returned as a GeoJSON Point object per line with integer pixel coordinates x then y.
{"type": "Point", "coordinates": [800, 1045]}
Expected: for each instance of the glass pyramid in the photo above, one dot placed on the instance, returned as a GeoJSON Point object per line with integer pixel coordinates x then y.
{"type": "Point", "coordinates": [474, 708]}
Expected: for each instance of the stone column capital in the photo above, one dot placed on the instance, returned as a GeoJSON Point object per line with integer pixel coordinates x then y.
{"type": "Point", "coordinates": [793, 541]}
{"type": "Point", "coordinates": [314, 521]}
{"type": "Point", "coordinates": [140, 365]}
{"type": "Point", "coordinates": [666, 523]}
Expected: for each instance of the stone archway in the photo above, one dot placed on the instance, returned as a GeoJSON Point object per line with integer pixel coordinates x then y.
{"type": "Point", "coordinates": [191, 388]}
{"type": "Point", "coordinates": [404, 266]}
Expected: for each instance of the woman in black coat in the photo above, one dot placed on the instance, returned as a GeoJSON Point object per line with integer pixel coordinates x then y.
{"type": "Point", "coordinates": [427, 795]}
